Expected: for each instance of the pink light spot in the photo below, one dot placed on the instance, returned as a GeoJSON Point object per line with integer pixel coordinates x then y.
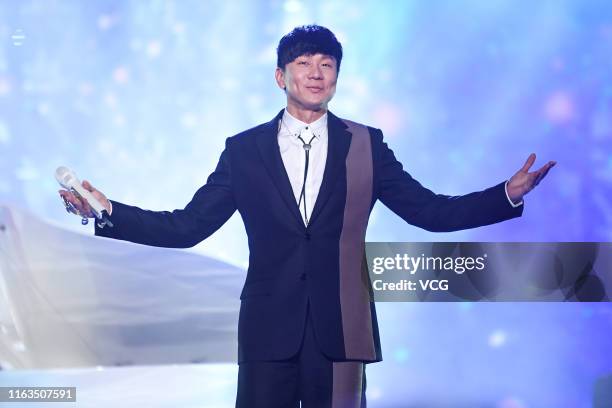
{"type": "Point", "coordinates": [5, 87]}
{"type": "Point", "coordinates": [510, 403]}
{"type": "Point", "coordinates": [558, 64]}
{"type": "Point", "coordinates": [390, 118]}
{"type": "Point", "coordinates": [606, 31]}
{"type": "Point", "coordinates": [154, 48]}
{"type": "Point", "coordinates": [121, 75]}
{"type": "Point", "coordinates": [560, 108]}
{"type": "Point", "coordinates": [106, 21]}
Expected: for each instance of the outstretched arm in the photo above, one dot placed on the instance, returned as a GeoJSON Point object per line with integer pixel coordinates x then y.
{"type": "Point", "coordinates": [211, 206]}
{"type": "Point", "coordinates": [423, 208]}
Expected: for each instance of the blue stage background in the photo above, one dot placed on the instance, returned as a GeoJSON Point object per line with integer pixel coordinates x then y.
{"type": "Point", "coordinates": [139, 96]}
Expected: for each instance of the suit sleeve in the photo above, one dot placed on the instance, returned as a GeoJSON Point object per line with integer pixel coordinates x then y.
{"type": "Point", "coordinates": [211, 206]}
{"type": "Point", "coordinates": [421, 207]}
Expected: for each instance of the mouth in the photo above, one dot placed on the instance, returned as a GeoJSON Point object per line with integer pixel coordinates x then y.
{"type": "Point", "coordinates": [314, 89]}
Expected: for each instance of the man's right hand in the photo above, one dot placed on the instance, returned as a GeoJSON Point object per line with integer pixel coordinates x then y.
{"type": "Point", "coordinates": [83, 208]}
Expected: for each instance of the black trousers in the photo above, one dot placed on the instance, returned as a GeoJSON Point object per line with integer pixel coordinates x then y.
{"type": "Point", "coordinates": [308, 377]}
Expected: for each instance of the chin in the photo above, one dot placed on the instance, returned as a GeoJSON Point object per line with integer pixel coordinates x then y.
{"type": "Point", "coordinates": [318, 107]}
{"type": "Point", "coordinates": [318, 104]}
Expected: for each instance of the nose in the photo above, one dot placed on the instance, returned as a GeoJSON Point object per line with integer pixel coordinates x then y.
{"type": "Point", "coordinates": [315, 72]}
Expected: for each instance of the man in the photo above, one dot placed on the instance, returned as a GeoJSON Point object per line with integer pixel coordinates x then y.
{"type": "Point", "coordinates": [304, 184]}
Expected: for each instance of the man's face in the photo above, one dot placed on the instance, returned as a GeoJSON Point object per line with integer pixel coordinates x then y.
{"type": "Point", "coordinates": [309, 80]}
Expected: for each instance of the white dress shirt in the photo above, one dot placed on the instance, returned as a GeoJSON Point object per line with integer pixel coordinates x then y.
{"type": "Point", "coordinates": [294, 157]}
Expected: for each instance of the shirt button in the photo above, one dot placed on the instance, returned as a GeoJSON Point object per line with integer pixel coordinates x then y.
{"type": "Point", "coordinates": [307, 236]}
{"type": "Point", "coordinates": [303, 277]}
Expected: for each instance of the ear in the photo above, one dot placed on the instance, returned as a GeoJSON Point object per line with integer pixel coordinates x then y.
{"type": "Point", "coordinates": [279, 74]}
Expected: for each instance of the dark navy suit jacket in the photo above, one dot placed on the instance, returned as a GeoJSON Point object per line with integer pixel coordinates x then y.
{"type": "Point", "coordinates": [291, 265]}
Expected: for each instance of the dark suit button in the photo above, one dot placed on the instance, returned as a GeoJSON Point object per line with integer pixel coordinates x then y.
{"type": "Point", "coordinates": [303, 276]}
{"type": "Point", "coordinates": [307, 236]}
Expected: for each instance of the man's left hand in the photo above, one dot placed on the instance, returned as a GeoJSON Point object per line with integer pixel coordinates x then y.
{"type": "Point", "coordinates": [523, 181]}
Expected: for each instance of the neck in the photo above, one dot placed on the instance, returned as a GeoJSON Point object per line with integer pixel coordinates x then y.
{"type": "Point", "coordinates": [306, 115]}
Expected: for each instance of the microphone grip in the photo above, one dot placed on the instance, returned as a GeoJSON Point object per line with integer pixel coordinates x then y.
{"type": "Point", "coordinates": [105, 220]}
{"type": "Point", "coordinates": [95, 205]}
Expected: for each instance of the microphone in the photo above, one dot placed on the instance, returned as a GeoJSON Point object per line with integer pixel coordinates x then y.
{"type": "Point", "coordinates": [69, 180]}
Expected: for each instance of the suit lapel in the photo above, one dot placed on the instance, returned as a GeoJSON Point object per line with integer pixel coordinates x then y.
{"type": "Point", "coordinates": [267, 142]}
{"type": "Point", "coordinates": [338, 142]}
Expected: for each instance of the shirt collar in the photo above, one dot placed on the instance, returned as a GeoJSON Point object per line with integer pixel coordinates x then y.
{"type": "Point", "coordinates": [295, 126]}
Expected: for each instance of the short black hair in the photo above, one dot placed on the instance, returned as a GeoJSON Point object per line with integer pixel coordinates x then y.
{"type": "Point", "coordinates": [308, 40]}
